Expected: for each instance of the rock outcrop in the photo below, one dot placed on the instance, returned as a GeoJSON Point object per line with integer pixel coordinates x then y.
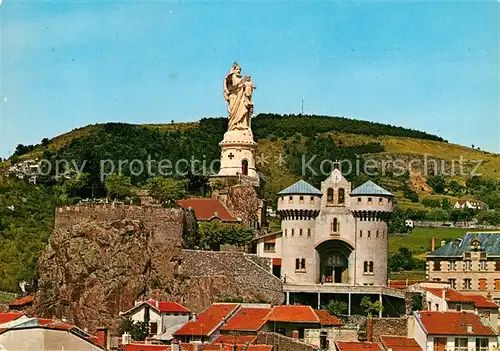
{"type": "Point", "coordinates": [101, 259]}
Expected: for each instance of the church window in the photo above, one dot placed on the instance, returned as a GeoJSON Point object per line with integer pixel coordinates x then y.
{"type": "Point", "coordinates": [365, 267]}
{"type": "Point", "coordinates": [297, 264]}
{"type": "Point", "coordinates": [335, 226]}
{"type": "Point", "coordinates": [371, 266]}
{"type": "Point", "coordinates": [303, 264]}
{"type": "Point", "coordinates": [341, 196]}
{"type": "Point", "coordinates": [244, 167]}
{"type": "Point", "coordinates": [329, 195]}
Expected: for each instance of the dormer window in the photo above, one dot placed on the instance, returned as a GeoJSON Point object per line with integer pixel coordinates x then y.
{"type": "Point", "coordinates": [475, 245]}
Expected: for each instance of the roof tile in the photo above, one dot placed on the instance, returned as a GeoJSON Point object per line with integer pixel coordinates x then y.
{"type": "Point", "coordinates": [207, 320]}
{"type": "Point", "coordinates": [358, 346]}
{"type": "Point", "coordinates": [293, 314]}
{"type": "Point", "coordinates": [370, 188]}
{"type": "Point", "coordinates": [247, 319]}
{"type": "Point", "coordinates": [206, 209]}
{"type": "Point", "coordinates": [301, 187]}
{"type": "Point", "coordinates": [453, 323]}
{"type": "Point", "coordinates": [400, 343]}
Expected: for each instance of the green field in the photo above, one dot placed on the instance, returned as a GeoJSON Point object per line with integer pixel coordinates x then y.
{"type": "Point", "coordinates": [419, 241]}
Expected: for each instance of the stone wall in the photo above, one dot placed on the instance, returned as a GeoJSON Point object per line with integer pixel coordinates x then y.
{"type": "Point", "coordinates": [243, 268]}
{"type": "Point", "coordinates": [390, 326]}
{"type": "Point", "coordinates": [281, 342]}
{"type": "Point", "coordinates": [312, 336]}
{"type": "Point", "coordinates": [101, 258]}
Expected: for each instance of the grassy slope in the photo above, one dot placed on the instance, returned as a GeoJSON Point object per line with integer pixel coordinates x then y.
{"type": "Point", "coordinates": [420, 239]}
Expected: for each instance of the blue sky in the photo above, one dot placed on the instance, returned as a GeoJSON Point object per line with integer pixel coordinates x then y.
{"type": "Point", "coordinates": [429, 66]}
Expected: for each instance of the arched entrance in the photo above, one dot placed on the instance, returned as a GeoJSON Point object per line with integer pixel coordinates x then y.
{"type": "Point", "coordinates": [244, 167]}
{"type": "Point", "coordinates": [334, 261]}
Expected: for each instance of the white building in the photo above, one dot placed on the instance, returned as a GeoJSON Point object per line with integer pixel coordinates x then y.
{"type": "Point", "coordinates": [470, 204]}
{"type": "Point", "coordinates": [457, 331]}
{"type": "Point", "coordinates": [164, 317]}
{"type": "Point", "coordinates": [333, 235]}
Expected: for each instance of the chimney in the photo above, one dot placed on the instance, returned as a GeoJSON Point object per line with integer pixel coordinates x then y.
{"type": "Point", "coordinates": [295, 334]}
{"type": "Point", "coordinates": [469, 329]}
{"type": "Point", "coordinates": [433, 243]}
{"type": "Point", "coordinates": [102, 337]}
{"type": "Point", "coordinates": [126, 338]}
{"type": "Point", "coordinates": [175, 345]}
{"type": "Point", "coordinates": [489, 297]}
{"type": "Point", "coordinates": [369, 329]}
{"type": "Point", "coordinates": [443, 242]}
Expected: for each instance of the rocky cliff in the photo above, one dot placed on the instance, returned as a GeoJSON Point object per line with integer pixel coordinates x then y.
{"type": "Point", "coordinates": [101, 259]}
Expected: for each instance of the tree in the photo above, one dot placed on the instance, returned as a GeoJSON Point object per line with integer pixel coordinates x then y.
{"type": "Point", "coordinates": [437, 183]}
{"type": "Point", "coordinates": [401, 260]}
{"type": "Point", "coordinates": [45, 141]}
{"type": "Point", "coordinates": [336, 307]}
{"type": "Point", "coordinates": [215, 233]}
{"type": "Point", "coordinates": [118, 186]}
{"type": "Point", "coordinates": [370, 307]}
{"type": "Point", "coordinates": [137, 330]}
{"type": "Point", "coordinates": [167, 190]}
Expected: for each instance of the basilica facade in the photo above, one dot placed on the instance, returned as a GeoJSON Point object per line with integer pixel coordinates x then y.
{"type": "Point", "coordinates": [336, 235]}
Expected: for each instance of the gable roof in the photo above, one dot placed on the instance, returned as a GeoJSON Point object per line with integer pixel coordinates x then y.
{"type": "Point", "coordinates": [482, 302]}
{"type": "Point", "coordinates": [22, 301]}
{"type": "Point", "coordinates": [358, 346]}
{"type": "Point", "coordinates": [9, 316]}
{"type": "Point", "coordinates": [206, 209]}
{"type": "Point", "coordinates": [370, 188]}
{"type": "Point", "coordinates": [160, 306]}
{"type": "Point", "coordinates": [490, 244]}
{"type": "Point", "coordinates": [293, 314]}
{"type": "Point", "coordinates": [301, 188]}
{"type": "Point", "coordinates": [247, 319]}
{"type": "Point", "coordinates": [208, 320]}
{"type": "Point", "coordinates": [141, 346]}
{"type": "Point", "coordinates": [450, 295]}
{"type": "Point", "coordinates": [399, 343]}
{"type": "Point", "coordinates": [453, 323]}
{"type": "Point", "coordinates": [325, 318]}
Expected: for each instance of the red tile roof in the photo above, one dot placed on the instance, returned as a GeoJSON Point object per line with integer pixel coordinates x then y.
{"type": "Point", "coordinates": [168, 306]}
{"type": "Point", "coordinates": [208, 320]}
{"type": "Point", "coordinates": [10, 316]}
{"type": "Point", "coordinates": [293, 314]}
{"type": "Point", "coordinates": [358, 346]}
{"type": "Point", "coordinates": [482, 302]}
{"type": "Point", "coordinates": [326, 318]}
{"type": "Point", "coordinates": [206, 209]}
{"type": "Point", "coordinates": [453, 323]}
{"type": "Point", "coordinates": [23, 301]}
{"type": "Point", "coordinates": [249, 347]}
{"type": "Point", "coordinates": [234, 339]}
{"type": "Point", "coordinates": [400, 343]}
{"type": "Point", "coordinates": [403, 284]}
{"type": "Point", "coordinates": [54, 323]}
{"type": "Point", "coordinates": [144, 347]}
{"type": "Point", "coordinates": [247, 319]}
{"type": "Point", "coordinates": [450, 295]}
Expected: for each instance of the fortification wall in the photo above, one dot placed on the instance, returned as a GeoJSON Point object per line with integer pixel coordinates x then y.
{"type": "Point", "coordinates": [241, 267]}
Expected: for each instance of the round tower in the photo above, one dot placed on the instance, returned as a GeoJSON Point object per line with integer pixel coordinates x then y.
{"type": "Point", "coordinates": [371, 205]}
{"type": "Point", "coordinates": [298, 206]}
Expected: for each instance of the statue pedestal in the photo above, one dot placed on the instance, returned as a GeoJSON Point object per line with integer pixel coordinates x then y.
{"type": "Point", "coordinates": [237, 155]}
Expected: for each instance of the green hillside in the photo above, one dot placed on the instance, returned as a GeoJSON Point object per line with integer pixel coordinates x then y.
{"type": "Point", "coordinates": [26, 211]}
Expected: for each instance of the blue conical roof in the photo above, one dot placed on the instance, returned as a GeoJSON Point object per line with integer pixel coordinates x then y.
{"type": "Point", "coordinates": [301, 187]}
{"type": "Point", "coordinates": [370, 188]}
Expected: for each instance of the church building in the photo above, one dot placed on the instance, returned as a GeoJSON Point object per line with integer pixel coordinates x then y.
{"type": "Point", "coordinates": [333, 236]}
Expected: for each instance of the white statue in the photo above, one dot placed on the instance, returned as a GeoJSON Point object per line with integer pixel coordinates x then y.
{"type": "Point", "coordinates": [238, 92]}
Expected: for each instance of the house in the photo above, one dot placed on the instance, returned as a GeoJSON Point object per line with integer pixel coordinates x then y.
{"type": "Point", "coordinates": [470, 264]}
{"type": "Point", "coordinates": [459, 331]}
{"type": "Point", "coordinates": [164, 317]}
{"type": "Point", "coordinates": [247, 321]}
{"type": "Point", "coordinates": [445, 299]}
{"type": "Point", "coordinates": [357, 346]}
{"type": "Point", "coordinates": [206, 326]}
{"type": "Point", "coordinates": [487, 310]}
{"type": "Point", "coordinates": [208, 209]}
{"type": "Point", "coordinates": [399, 343]}
{"type": "Point", "coordinates": [21, 333]}
{"type": "Point", "coordinates": [470, 204]}
{"type": "Point", "coordinates": [286, 320]}
{"type": "Point", "coordinates": [22, 303]}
